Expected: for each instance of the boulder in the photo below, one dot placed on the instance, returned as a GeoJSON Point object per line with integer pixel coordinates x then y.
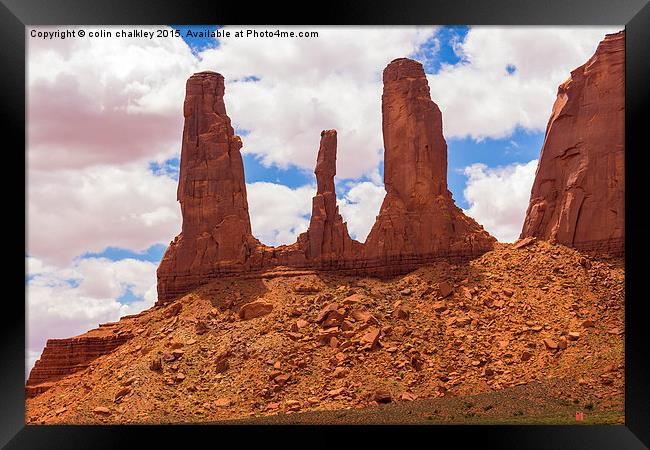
{"type": "Point", "coordinates": [255, 309]}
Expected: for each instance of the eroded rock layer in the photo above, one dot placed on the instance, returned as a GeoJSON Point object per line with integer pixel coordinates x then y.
{"type": "Point", "coordinates": [418, 218]}
{"type": "Point", "coordinates": [62, 357]}
{"type": "Point", "coordinates": [577, 197]}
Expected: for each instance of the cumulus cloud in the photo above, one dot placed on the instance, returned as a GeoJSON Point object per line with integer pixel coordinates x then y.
{"type": "Point", "coordinates": [81, 90]}
{"type": "Point", "coordinates": [71, 212]}
{"type": "Point", "coordinates": [498, 197]}
{"type": "Point", "coordinates": [360, 206]}
{"type": "Point", "coordinates": [307, 85]}
{"type": "Point", "coordinates": [99, 110]}
{"type": "Point", "coordinates": [479, 98]}
{"type": "Point", "coordinates": [96, 101]}
{"type": "Point", "coordinates": [278, 213]}
{"type": "Point", "coordinates": [67, 301]}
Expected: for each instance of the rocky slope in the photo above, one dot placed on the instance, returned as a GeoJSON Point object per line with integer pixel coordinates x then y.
{"type": "Point", "coordinates": [292, 341]}
{"type": "Point", "coordinates": [578, 196]}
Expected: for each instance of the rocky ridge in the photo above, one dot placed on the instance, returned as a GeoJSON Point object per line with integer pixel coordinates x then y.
{"type": "Point", "coordinates": [61, 357]}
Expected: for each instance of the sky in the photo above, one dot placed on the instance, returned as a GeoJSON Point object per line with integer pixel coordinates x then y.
{"type": "Point", "coordinates": [105, 126]}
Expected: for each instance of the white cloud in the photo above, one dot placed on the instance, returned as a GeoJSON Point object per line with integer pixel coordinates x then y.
{"type": "Point", "coordinates": [95, 101]}
{"type": "Point", "coordinates": [278, 213]}
{"type": "Point", "coordinates": [64, 302]}
{"type": "Point", "coordinates": [100, 109]}
{"type": "Point", "coordinates": [478, 98]}
{"type": "Point", "coordinates": [360, 206]}
{"type": "Point", "coordinates": [308, 85]}
{"type": "Point", "coordinates": [71, 212]}
{"type": "Point", "coordinates": [498, 197]}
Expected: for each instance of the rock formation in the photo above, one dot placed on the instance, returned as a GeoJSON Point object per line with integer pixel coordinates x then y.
{"type": "Point", "coordinates": [418, 218]}
{"type": "Point", "coordinates": [418, 222]}
{"type": "Point", "coordinates": [216, 230]}
{"type": "Point", "coordinates": [61, 357]}
{"type": "Point", "coordinates": [327, 240]}
{"type": "Point", "coordinates": [577, 197]}
{"type": "Point", "coordinates": [190, 343]}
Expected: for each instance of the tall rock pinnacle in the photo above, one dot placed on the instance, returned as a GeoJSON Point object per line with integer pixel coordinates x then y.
{"type": "Point", "coordinates": [211, 190]}
{"type": "Point", "coordinates": [415, 160]}
{"type": "Point", "coordinates": [577, 197]}
{"type": "Point", "coordinates": [418, 216]}
{"type": "Point", "coordinates": [327, 238]}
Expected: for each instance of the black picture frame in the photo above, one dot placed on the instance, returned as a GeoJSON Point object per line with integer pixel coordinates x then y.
{"type": "Point", "coordinates": [634, 14]}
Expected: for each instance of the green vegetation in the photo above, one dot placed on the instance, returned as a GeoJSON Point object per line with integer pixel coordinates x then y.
{"type": "Point", "coordinates": [598, 418]}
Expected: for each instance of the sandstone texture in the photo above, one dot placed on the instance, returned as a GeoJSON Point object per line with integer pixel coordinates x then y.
{"type": "Point", "coordinates": [418, 222]}
{"type": "Point", "coordinates": [326, 242]}
{"type": "Point", "coordinates": [577, 197]}
{"type": "Point", "coordinates": [62, 357]}
{"type": "Point", "coordinates": [216, 230]}
{"type": "Point", "coordinates": [338, 341]}
{"type": "Point", "coordinates": [418, 218]}
{"type": "Point", "coordinates": [253, 310]}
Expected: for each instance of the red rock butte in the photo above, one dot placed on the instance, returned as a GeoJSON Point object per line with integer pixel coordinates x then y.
{"type": "Point", "coordinates": [577, 197]}
{"type": "Point", "coordinates": [418, 222]}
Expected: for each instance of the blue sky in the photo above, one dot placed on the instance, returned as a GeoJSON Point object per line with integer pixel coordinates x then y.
{"type": "Point", "coordinates": [521, 147]}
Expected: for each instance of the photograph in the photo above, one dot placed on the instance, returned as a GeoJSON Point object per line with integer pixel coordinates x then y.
{"type": "Point", "coordinates": [325, 225]}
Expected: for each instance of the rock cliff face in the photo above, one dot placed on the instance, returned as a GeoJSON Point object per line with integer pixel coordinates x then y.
{"type": "Point", "coordinates": [62, 357]}
{"type": "Point", "coordinates": [418, 218]}
{"type": "Point", "coordinates": [577, 197]}
{"type": "Point", "coordinates": [418, 222]}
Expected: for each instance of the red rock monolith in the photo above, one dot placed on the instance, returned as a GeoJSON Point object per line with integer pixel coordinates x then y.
{"type": "Point", "coordinates": [62, 357]}
{"type": "Point", "coordinates": [577, 198]}
{"type": "Point", "coordinates": [327, 240]}
{"type": "Point", "coordinates": [418, 219]}
{"type": "Point", "coordinates": [216, 232]}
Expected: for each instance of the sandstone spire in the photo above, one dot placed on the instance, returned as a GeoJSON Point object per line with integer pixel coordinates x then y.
{"type": "Point", "coordinates": [418, 216]}
{"type": "Point", "coordinates": [211, 190]}
{"type": "Point", "coordinates": [577, 197]}
{"type": "Point", "coordinates": [327, 238]}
